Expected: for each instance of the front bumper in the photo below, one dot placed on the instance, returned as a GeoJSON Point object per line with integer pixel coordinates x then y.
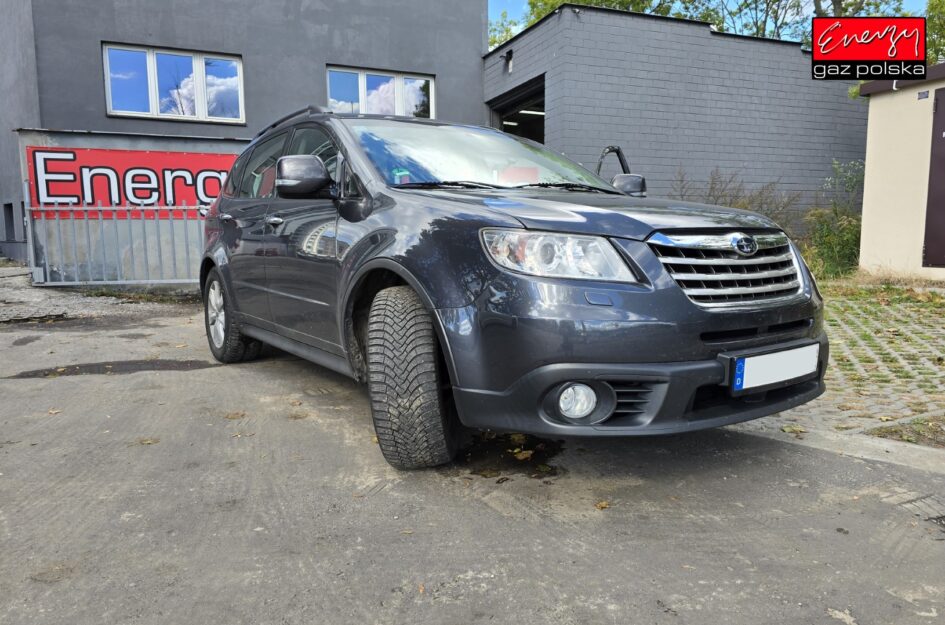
{"type": "Point", "coordinates": [668, 398]}
{"type": "Point", "coordinates": [508, 350]}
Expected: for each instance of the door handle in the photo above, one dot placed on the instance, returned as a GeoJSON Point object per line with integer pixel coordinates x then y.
{"type": "Point", "coordinates": [274, 220]}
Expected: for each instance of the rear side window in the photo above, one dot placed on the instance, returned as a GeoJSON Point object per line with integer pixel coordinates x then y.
{"type": "Point", "coordinates": [259, 179]}
{"type": "Point", "coordinates": [233, 179]}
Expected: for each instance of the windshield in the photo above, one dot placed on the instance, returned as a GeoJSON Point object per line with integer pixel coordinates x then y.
{"type": "Point", "coordinates": [410, 154]}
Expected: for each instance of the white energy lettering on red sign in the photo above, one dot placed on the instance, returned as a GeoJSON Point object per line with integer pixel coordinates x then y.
{"type": "Point", "coordinates": [126, 177]}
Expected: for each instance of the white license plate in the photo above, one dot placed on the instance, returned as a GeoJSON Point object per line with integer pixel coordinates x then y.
{"type": "Point", "coordinates": [757, 371]}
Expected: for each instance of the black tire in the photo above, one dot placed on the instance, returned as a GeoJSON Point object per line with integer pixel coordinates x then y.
{"type": "Point", "coordinates": [234, 346]}
{"type": "Point", "coordinates": [411, 411]}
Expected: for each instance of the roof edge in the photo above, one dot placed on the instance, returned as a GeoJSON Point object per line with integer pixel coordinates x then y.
{"type": "Point", "coordinates": [933, 73]}
{"type": "Point", "coordinates": [133, 134]}
{"type": "Point", "coordinates": [587, 7]}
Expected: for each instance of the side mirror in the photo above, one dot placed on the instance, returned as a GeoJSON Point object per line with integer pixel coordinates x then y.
{"type": "Point", "coordinates": [301, 176]}
{"type": "Point", "coordinates": [633, 185]}
{"type": "Point", "coordinates": [354, 209]}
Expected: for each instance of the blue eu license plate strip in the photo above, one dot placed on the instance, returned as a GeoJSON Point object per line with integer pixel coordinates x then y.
{"type": "Point", "coordinates": [738, 383]}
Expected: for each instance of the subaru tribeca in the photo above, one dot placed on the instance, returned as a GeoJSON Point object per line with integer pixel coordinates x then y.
{"type": "Point", "coordinates": [474, 279]}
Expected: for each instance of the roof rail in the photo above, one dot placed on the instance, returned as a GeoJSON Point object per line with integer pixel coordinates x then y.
{"type": "Point", "coordinates": [311, 109]}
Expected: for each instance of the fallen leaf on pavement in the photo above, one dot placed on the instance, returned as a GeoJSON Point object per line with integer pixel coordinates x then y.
{"type": "Point", "coordinates": [793, 429]}
{"type": "Point", "coordinates": [525, 454]}
{"type": "Point", "coordinates": [517, 439]}
{"type": "Point", "coordinates": [232, 416]}
{"type": "Point", "coordinates": [406, 531]}
{"type": "Point", "coordinates": [295, 402]}
{"type": "Point", "coordinates": [181, 345]}
{"type": "Point", "coordinates": [488, 473]}
{"type": "Point", "coordinates": [602, 505]}
{"type": "Point", "coordinates": [53, 411]}
{"type": "Point", "coordinates": [148, 441]}
{"type": "Point", "coordinates": [885, 419]}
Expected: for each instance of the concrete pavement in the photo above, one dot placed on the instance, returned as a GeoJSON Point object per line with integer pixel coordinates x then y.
{"type": "Point", "coordinates": [141, 482]}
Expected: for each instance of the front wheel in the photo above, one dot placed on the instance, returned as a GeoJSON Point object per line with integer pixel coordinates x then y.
{"type": "Point", "coordinates": [227, 344]}
{"type": "Point", "coordinates": [408, 403]}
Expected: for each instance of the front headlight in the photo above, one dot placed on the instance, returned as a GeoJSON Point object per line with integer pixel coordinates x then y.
{"type": "Point", "coordinates": [552, 255]}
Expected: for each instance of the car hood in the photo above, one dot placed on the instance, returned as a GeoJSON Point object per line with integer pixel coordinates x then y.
{"type": "Point", "coordinates": [605, 214]}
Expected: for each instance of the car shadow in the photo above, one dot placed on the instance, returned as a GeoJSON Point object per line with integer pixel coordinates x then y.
{"type": "Point", "coordinates": [665, 458]}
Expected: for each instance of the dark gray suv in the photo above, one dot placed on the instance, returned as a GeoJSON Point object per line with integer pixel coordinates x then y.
{"type": "Point", "coordinates": [475, 279]}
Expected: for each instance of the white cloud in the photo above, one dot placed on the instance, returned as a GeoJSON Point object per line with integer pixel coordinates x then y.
{"type": "Point", "coordinates": [180, 101]}
{"type": "Point", "coordinates": [122, 75]}
{"type": "Point", "coordinates": [342, 106]}
{"type": "Point", "coordinates": [223, 96]}
{"type": "Point", "coordinates": [380, 101]}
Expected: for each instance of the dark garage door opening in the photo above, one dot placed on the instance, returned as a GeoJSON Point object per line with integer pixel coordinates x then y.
{"type": "Point", "coordinates": [521, 112]}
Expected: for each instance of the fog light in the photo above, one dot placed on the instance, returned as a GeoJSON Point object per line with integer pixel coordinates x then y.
{"type": "Point", "coordinates": [577, 401]}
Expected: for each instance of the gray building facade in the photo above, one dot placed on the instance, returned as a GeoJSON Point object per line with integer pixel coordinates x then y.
{"type": "Point", "coordinates": [53, 73]}
{"type": "Point", "coordinates": [677, 97]}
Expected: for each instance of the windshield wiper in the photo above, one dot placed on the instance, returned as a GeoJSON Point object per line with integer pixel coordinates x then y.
{"type": "Point", "coordinates": [570, 186]}
{"type": "Point", "coordinates": [437, 184]}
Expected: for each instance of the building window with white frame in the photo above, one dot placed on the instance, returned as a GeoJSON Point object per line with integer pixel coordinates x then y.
{"type": "Point", "coordinates": [170, 84]}
{"type": "Point", "coordinates": [380, 93]}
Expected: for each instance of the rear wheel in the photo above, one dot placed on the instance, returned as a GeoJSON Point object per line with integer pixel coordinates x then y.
{"type": "Point", "coordinates": [412, 416]}
{"type": "Point", "coordinates": [227, 344]}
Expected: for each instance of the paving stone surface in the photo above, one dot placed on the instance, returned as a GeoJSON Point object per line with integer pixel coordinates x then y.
{"type": "Point", "coordinates": [887, 363]}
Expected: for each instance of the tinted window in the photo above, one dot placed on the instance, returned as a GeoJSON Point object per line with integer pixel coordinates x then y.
{"type": "Point", "coordinates": [313, 140]}
{"type": "Point", "coordinates": [259, 179]}
{"type": "Point", "coordinates": [417, 97]}
{"type": "Point", "coordinates": [380, 97]}
{"type": "Point", "coordinates": [128, 80]}
{"type": "Point", "coordinates": [177, 88]}
{"type": "Point", "coordinates": [233, 178]}
{"type": "Point", "coordinates": [405, 152]}
{"type": "Point", "coordinates": [223, 88]}
{"type": "Point", "coordinates": [343, 92]}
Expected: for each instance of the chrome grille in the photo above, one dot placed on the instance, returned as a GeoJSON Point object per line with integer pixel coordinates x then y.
{"type": "Point", "coordinates": [712, 273]}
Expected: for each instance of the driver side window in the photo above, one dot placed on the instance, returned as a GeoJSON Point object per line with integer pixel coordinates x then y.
{"type": "Point", "coordinates": [315, 141]}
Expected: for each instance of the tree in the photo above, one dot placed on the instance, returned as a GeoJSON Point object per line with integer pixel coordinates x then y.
{"type": "Point", "coordinates": [856, 8]}
{"type": "Point", "coordinates": [704, 10]}
{"type": "Point", "coordinates": [502, 29]}
{"type": "Point", "coordinates": [935, 32]}
{"type": "Point", "coordinates": [774, 19]}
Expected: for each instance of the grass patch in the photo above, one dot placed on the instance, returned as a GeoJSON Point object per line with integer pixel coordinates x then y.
{"type": "Point", "coordinates": [883, 294]}
{"type": "Point", "coordinates": [928, 431]}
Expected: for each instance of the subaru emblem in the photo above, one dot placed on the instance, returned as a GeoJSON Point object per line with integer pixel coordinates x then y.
{"type": "Point", "coordinates": [743, 244]}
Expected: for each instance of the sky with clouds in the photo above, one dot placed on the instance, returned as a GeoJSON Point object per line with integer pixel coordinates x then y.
{"type": "Point", "coordinates": [517, 8]}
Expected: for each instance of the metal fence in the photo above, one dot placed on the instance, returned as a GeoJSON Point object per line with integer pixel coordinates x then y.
{"type": "Point", "coordinates": [118, 245]}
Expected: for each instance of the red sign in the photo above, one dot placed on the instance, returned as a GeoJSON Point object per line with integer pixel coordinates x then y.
{"type": "Point", "coordinates": [61, 176]}
{"type": "Point", "coordinates": [868, 48]}
{"type": "Point", "coordinates": [869, 39]}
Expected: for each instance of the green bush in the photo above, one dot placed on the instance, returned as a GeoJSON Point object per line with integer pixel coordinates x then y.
{"type": "Point", "coordinates": [832, 244]}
